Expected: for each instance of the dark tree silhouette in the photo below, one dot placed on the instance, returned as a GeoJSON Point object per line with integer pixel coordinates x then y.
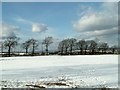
{"type": "Point", "coordinates": [34, 45]}
{"type": "Point", "coordinates": [47, 41]}
{"type": "Point", "coordinates": [10, 43]}
{"type": "Point", "coordinates": [114, 48]}
{"type": "Point", "coordinates": [66, 45]}
{"type": "Point", "coordinates": [104, 47]}
{"type": "Point", "coordinates": [1, 47]}
{"type": "Point", "coordinates": [87, 44]}
{"type": "Point", "coordinates": [72, 44]}
{"type": "Point", "coordinates": [61, 47]}
{"type": "Point", "coordinates": [26, 45]}
{"type": "Point", "coordinates": [80, 45]}
{"type": "Point", "coordinates": [93, 46]}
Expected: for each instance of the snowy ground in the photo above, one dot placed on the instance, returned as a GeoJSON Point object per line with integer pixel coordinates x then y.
{"type": "Point", "coordinates": [60, 71]}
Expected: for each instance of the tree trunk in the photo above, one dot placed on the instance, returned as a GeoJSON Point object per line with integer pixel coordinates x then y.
{"type": "Point", "coordinates": [46, 49]}
{"type": "Point", "coordinates": [2, 49]}
{"type": "Point", "coordinates": [71, 49]}
{"type": "Point", "coordinates": [66, 50]}
{"type": "Point", "coordinates": [62, 50]}
{"type": "Point", "coordinates": [33, 50]}
{"type": "Point", "coordinates": [85, 50]}
{"type": "Point", "coordinates": [113, 51]}
{"type": "Point", "coordinates": [9, 49]}
{"type": "Point", "coordinates": [42, 48]}
{"type": "Point", "coordinates": [99, 50]}
{"type": "Point", "coordinates": [92, 51]}
{"type": "Point", "coordinates": [81, 51]}
{"type": "Point", "coordinates": [102, 51]}
{"type": "Point", "coordinates": [26, 50]}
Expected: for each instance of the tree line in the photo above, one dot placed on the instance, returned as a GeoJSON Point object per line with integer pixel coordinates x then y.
{"type": "Point", "coordinates": [70, 46]}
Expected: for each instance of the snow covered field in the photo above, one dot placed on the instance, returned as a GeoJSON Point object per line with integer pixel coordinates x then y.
{"type": "Point", "coordinates": [60, 71]}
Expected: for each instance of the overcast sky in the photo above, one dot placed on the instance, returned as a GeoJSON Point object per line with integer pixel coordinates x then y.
{"type": "Point", "coordinates": [81, 20]}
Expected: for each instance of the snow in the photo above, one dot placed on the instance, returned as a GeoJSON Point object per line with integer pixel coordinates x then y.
{"type": "Point", "coordinates": [75, 71]}
{"type": "Point", "coordinates": [45, 61]}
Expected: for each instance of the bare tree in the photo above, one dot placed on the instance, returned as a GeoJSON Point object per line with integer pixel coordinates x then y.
{"type": "Point", "coordinates": [10, 43]}
{"type": "Point", "coordinates": [113, 48]}
{"type": "Point", "coordinates": [34, 45]}
{"type": "Point", "coordinates": [80, 45]}
{"type": "Point", "coordinates": [104, 47]}
{"type": "Point", "coordinates": [47, 41]}
{"type": "Point", "coordinates": [72, 44]}
{"type": "Point", "coordinates": [61, 47]}
{"type": "Point", "coordinates": [87, 44]}
{"type": "Point", "coordinates": [93, 46]}
{"type": "Point", "coordinates": [66, 45]}
{"type": "Point", "coordinates": [1, 48]}
{"type": "Point", "coordinates": [26, 45]}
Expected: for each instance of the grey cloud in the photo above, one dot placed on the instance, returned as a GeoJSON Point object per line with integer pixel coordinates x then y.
{"type": "Point", "coordinates": [7, 30]}
{"type": "Point", "coordinates": [111, 31]}
{"type": "Point", "coordinates": [102, 24]}
{"type": "Point", "coordinates": [104, 19]}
